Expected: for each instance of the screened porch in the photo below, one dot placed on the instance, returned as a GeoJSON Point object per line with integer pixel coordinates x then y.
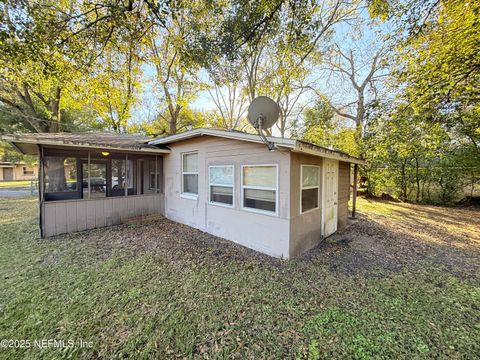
{"type": "Point", "coordinates": [94, 174]}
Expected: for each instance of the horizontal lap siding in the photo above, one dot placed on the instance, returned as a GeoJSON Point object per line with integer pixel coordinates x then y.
{"type": "Point", "coordinates": [61, 217]}
{"type": "Point", "coordinates": [343, 193]}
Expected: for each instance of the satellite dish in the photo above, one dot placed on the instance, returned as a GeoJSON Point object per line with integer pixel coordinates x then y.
{"type": "Point", "coordinates": [263, 112]}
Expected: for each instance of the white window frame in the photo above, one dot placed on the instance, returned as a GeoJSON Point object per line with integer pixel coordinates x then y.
{"type": "Point", "coordinates": [187, 195]}
{"type": "Point", "coordinates": [276, 189]}
{"type": "Point", "coordinates": [221, 185]}
{"type": "Point", "coordinates": [27, 172]}
{"type": "Point", "coordinates": [155, 172]}
{"type": "Point", "coordinates": [309, 187]}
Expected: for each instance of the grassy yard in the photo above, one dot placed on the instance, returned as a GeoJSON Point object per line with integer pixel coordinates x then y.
{"type": "Point", "coordinates": [14, 185]}
{"type": "Point", "coordinates": [401, 282]}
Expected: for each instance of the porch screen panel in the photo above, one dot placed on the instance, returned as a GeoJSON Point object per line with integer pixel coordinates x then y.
{"type": "Point", "coordinates": [98, 180]}
{"type": "Point", "coordinates": [60, 182]}
{"type": "Point", "coordinates": [118, 177]}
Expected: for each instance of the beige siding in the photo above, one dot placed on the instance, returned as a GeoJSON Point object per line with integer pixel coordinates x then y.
{"type": "Point", "coordinates": [305, 229]}
{"type": "Point", "coordinates": [17, 172]}
{"type": "Point", "coordinates": [266, 233]}
{"type": "Point", "coordinates": [76, 215]}
{"type": "Point", "coordinates": [343, 193]}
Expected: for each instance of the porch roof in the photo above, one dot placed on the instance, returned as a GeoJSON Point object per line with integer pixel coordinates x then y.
{"type": "Point", "coordinates": [27, 143]}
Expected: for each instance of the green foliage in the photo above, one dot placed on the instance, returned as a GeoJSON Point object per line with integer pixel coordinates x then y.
{"type": "Point", "coordinates": [188, 119]}
{"type": "Point", "coordinates": [9, 154]}
{"type": "Point", "coordinates": [412, 157]}
{"type": "Point", "coordinates": [322, 127]}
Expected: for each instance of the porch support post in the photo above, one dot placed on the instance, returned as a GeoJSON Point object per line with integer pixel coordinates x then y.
{"type": "Point", "coordinates": [41, 177]}
{"type": "Point", "coordinates": [88, 165]}
{"type": "Point", "coordinates": [355, 183]}
{"type": "Point", "coordinates": [126, 174]}
{"type": "Point", "coordinates": [156, 174]}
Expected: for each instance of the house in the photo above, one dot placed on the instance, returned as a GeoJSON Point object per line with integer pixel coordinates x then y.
{"type": "Point", "coordinates": [10, 171]}
{"type": "Point", "coordinates": [226, 183]}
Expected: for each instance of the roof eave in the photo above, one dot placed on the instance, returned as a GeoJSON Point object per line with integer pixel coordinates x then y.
{"type": "Point", "coordinates": [329, 154]}
{"type": "Point", "coordinates": [18, 139]}
{"type": "Point", "coordinates": [223, 134]}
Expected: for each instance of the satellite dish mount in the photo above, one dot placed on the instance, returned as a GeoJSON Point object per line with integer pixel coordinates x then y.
{"type": "Point", "coordinates": [263, 112]}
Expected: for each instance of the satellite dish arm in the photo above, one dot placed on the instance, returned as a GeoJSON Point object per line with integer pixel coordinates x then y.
{"type": "Point", "coordinates": [271, 146]}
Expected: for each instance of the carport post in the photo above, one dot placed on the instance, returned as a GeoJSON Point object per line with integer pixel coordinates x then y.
{"type": "Point", "coordinates": [354, 198]}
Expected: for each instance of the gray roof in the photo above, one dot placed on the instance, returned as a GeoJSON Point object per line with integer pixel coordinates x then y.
{"type": "Point", "coordinates": [27, 143]}
{"type": "Point", "coordinates": [91, 140]}
{"type": "Point", "coordinates": [293, 145]}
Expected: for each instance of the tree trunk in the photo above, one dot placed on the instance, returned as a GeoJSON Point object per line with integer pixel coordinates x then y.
{"type": "Point", "coordinates": [417, 178]}
{"type": "Point", "coordinates": [360, 118]}
{"type": "Point", "coordinates": [403, 181]}
{"type": "Point", "coordinates": [55, 174]}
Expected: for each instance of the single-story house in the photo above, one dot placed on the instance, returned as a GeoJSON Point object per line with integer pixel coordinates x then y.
{"type": "Point", "coordinates": [226, 183]}
{"type": "Point", "coordinates": [10, 171]}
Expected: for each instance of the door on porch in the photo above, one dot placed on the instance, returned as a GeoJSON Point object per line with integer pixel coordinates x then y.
{"type": "Point", "coordinates": [330, 196]}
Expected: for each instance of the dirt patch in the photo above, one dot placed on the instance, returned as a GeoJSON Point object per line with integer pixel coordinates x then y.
{"type": "Point", "coordinates": [376, 246]}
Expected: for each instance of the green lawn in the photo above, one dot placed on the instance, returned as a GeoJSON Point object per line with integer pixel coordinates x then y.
{"type": "Point", "coordinates": [158, 289]}
{"type": "Point", "coordinates": [19, 184]}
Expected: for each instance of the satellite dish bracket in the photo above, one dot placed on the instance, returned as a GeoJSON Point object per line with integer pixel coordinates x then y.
{"type": "Point", "coordinates": [258, 125]}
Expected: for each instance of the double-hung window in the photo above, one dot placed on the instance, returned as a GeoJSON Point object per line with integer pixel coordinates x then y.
{"type": "Point", "coordinates": [310, 186]}
{"type": "Point", "coordinates": [190, 174]}
{"type": "Point", "coordinates": [260, 188]}
{"type": "Point", "coordinates": [221, 184]}
{"type": "Point", "coordinates": [155, 178]}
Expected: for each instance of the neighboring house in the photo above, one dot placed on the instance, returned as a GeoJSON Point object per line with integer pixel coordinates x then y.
{"type": "Point", "coordinates": [10, 171]}
{"type": "Point", "coordinates": [227, 183]}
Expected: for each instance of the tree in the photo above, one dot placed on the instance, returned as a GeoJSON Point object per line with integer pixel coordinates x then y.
{"type": "Point", "coordinates": [115, 85]}
{"type": "Point", "coordinates": [438, 62]}
{"type": "Point", "coordinates": [187, 120]}
{"type": "Point", "coordinates": [325, 128]}
{"type": "Point", "coordinates": [282, 62]}
{"type": "Point", "coordinates": [353, 66]}
{"type": "Point", "coordinates": [175, 72]}
{"type": "Point", "coordinates": [228, 90]}
{"type": "Point", "coordinates": [35, 78]}
{"type": "Point", "coordinates": [46, 60]}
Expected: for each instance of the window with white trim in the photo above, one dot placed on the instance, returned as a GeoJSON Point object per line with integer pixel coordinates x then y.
{"type": "Point", "coordinates": [190, 173]}
{"type": "Point", "coordinates": [221, 184]}
{"type": "Point", "coordinates": [310, 187]}
{"type": "Point", "coordinates": [155, 178]}
{"type": "Point", "coordinates": [27, 171]}
{"type": "Point", "coordinates": [259, 187]}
